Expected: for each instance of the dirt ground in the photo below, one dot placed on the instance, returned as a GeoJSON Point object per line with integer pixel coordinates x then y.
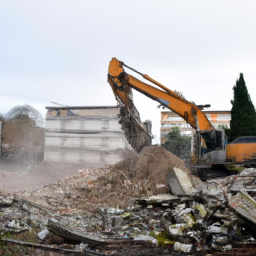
{"type": "Point", "coordinates": [16, 177]}
{"type": "Point", "coordinates": [152, 164]}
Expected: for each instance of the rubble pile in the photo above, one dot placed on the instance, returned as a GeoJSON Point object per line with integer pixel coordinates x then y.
{"type": "Point", "coordinates": [133, 208]}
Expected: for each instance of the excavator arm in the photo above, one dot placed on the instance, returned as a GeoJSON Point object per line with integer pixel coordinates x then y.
{"type": "Point", "coordinates": [122, 84]}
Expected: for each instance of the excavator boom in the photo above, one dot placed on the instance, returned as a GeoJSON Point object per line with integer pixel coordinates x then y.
{"type": "Point", "coordinates": [122, 84]}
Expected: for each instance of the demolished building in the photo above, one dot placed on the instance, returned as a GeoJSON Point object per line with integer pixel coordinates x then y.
{"type": "Point", "coordinates": [94, 136]}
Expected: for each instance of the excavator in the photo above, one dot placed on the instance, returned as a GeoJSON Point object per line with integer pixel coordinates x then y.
{"type": "Point", "coordinates": [122, 84]}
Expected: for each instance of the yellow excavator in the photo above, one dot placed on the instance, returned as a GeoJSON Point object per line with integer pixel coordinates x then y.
{"type": "Point", "coordinates": [122, 84]}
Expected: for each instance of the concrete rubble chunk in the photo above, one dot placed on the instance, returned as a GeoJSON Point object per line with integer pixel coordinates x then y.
{"type": "Point", "coordinates": [158, 199]}
{"type": "Point", "coordinates": [214, 192]}
{"type": "Point", "coordinates": [17, 226]}
{"type": "Point", "coordinates": [201, 209]}
{"type": "Point", "coordinates": [185, 211]}
{"type": "Point", "coordinates": [216, 229]}
{"type": "Point", "coordinates": [244, 183]}
{"type": "Point", "coordinates": [43, 234]}
{"type": "Point", "coordinates": [187, 248]}
{"type": "Point", "coordinates": [244, 205]}
{"type": "Point", "coordinates": [189, 219]}
{"type": "Point", "coordinates": [146, 238]}
{"type": "Point", "coordinates": [178, 229]}
{"type": "Point", "coordinates": [72, 234]}
{"type": "Point", "coordinates": [222, 239]}
{"type": "Point", "coordinates": [6, 201]}
{"type": "Point", "coordinates": [179, 182]}
{"type": "Point", "coordinates": [114, 211]}
{"type": "Point", "coordinates": [248, 172]}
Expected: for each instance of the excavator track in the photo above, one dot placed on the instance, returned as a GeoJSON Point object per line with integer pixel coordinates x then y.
{"type": "Point", "coordinates": [214, 171]}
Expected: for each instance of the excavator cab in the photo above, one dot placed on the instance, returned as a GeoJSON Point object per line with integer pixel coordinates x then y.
{"type": "Point", "coordinates": [205, 144]}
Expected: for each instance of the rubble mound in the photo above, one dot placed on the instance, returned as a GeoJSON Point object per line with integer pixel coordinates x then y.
{"type": "Point", "coordinates": [125, 210]}
{"type": "Point", "coordinates": [154, 161]}
{"type": "Point", "coordinates": [115, 186]}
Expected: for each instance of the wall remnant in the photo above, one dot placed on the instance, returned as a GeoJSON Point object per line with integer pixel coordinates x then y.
{"type": "Point", "coordinates": [22, 139]}
{"type": "Point", "coordinates": [94, 136]}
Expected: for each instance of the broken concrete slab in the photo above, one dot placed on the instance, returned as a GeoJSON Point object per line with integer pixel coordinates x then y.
{"type": "Point", "coordinates": [72, 234]}
{"type": "Point", "coordinates": [179, 182]}
{"type": "Point", "coordinates": [243, 183]}
{"type": "Point", "coordinates": [158, 199]}
{"type": "Point", "coordinates": [244, 205]}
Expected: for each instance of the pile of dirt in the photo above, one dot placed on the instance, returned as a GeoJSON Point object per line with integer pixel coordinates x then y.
{"type": "Point", "coordinates": [154, 162]}
{"type": "Point", "coordinates": [115, 186]}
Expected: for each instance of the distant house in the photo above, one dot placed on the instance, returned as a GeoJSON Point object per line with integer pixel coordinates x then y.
{"type": "Point", "coordinates": [170, 119]}
{"type": "Point", "coordinates": [22, 135]}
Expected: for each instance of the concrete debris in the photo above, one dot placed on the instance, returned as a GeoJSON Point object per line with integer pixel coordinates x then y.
{"type": "Point", "coordinates": [244, 205]}
{"type": "Point", "coordinates": [178, 229]}
{"type": "Point", "coordinates": [98, 212]}
{"type": "Point", "coordinates": [16, 226]}
{"type": "Point", "coordinates": [179, 182]}
{"type": "Point", "coordinates": [72, 234]}
{"type": "Point", "coordinates": [6, 201]}
{"type": "Point", "coordinates": [248, 172]}
{"type": "Point", "coordinates": [158, 199]}
{"type": "Point", "coordinates": [187, 248]}
{"type": "Point", "coordinates": [217, 229]}
{"type": "Point", "coordinates": [160, 186]}
{"type": "Point", "coordinates": [43, 234]}
{"type": "Point", "coordinates": [146, 238]}
{"type": "Point", "coordinates": [114, 211]}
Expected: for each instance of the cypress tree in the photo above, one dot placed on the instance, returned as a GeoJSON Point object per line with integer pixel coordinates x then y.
{"type": "Point", "coordinates": [243, 115]}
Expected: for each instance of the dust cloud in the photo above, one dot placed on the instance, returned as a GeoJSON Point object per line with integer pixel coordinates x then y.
{"type": "Point", "coordinates": [15, 176]}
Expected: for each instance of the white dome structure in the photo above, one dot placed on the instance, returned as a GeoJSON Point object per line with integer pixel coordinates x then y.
{"type": "Point", "coordinates": [26, 110]}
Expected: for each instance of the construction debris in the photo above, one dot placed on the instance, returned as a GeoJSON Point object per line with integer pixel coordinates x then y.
{"type": "Point", "coordinates": [130, 209]}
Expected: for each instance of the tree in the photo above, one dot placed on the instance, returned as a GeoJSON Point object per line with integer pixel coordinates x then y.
{"type": "Point", "coordinates": [178, 144]}
{"type": "Point", "coordinates": [243, 115]}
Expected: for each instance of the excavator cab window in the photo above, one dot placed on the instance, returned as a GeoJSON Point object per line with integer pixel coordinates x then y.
{"type": "Point", "coordinates": [213, 139]}
{"type": "Point", "coordinates": [245, 139]}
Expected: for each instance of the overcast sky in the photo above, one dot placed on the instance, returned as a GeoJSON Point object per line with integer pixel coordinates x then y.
{"type": "Point", "coordinates": [59, 50]}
